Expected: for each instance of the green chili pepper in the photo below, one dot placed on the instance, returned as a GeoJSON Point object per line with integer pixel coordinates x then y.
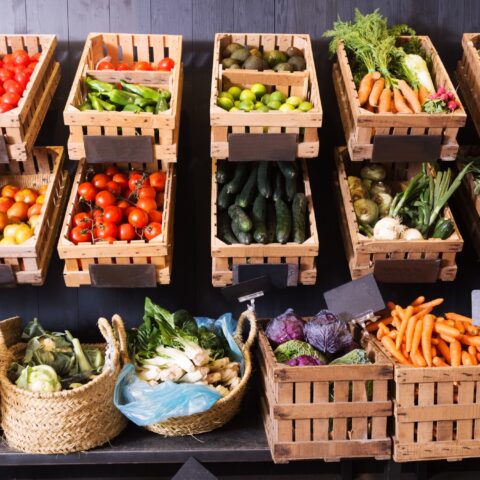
{"type": "Point", "coordinates": [143, 102]}
{"type": "Point", "coordinates": [98, 86]}
{"type": "Point", "coordinates": [150, 109]}
{"type": "Point", "coordinates": [119, 97]}
{"type": "Point", "coordinates": [165, 94]}
{"type": "Point", "coordinates": [132, 108]}
{"type": "Point", "coordinates": [99, 104]}
{"type": "Point", "coordinates": [85, 106]}
{"type": "Point", "coordinates": [145, 92]}
{"type": "Point", "coordinates": [161, 106]}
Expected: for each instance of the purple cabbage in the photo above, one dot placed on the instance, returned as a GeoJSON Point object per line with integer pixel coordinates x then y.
{"type": "Point", "coordinates": [327, 333]}
{"type": "Point", "coordinates": [287, 326]}
{"type": "Point", "coordinates": [304, 360]}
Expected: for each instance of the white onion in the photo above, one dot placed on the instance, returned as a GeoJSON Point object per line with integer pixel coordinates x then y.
{"type": "Point", "coordinates": [388, 228]}
{"type": "Point", "coordinates": [412, 234]}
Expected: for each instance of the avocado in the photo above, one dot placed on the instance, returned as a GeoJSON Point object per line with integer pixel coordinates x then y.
{"type": "Point", "coordinates": [230, 48]}
{"type": "Point", "coordinates": [253, 63]}
{"type": "Point", "coordinates": [241, 54]}
{"type": "Point", "coordinates": [274, 57]}
{"type": "Point", "coordinates": [283, 67]}
{"type": "Point", "coordinates": [228, 62]}
{"type": "Point", "coordinates": [294, 52]}
{"type": "Point", "coordinates": [256, 52]}
{"type": "Point", "coordinates": [235, 66]}
{"type": "Point", "coordinates": [298, 63]}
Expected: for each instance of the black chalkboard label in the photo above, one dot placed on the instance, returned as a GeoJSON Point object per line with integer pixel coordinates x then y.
{"type": "Point", "coordinates": [3, 150]}
{"type": "Point", "coordinates": [251, 147]}
{"type": "Point", "coordinates": [280, 274]}
{"type": "Point", "coordinates": [406, 148]}
{"type": "Point", "coordinates": [407, 271]}
{"type": "Point", "coordinates": [7, 276]}
{"type": "Point", "coordinates": [113, 149]}
{"type": "Point", "coordinates": [193, 470]}
{"type": "Point", "coordinates": [123, 276]}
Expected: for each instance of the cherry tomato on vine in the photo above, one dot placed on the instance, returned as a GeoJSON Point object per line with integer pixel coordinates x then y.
{"type": "Point", "coordinates": [13, 86]}
{"type": "Point", "coordinates": [87, 191]}
{"type": "Point", "coordinates": [105, 66]}
{"type": "Point", "coordinates": [10, 98]}
{"type": "Point", "coordinates": [166, 64]}
{"type": "Point", "coordinates": [121, 179]}
{"type": "Point", "coordinates": [83, 219]}
{"type": "Point", "coordinates": [113, 213]}
{"type": "Point", "coordinates": [80, 235]}
{"type": "Point", "coordinates": [105, 229]}
{"type": "Point", "coordinates": [146, 192]}
{"type": "Point", "coordinates": [126, 232]}
{"type": "Point", "coordinates": [111, 170]}
{"type": "Point", "coordinates": [138, 218]}
{"type": "Point", "coordinates": [155, 216]}
{"type": "Point", "coordinates": [143, 66]}
{"type": "Point", "coordinates": [157, 180]}
{"type": "Point", "coordinates": [104, 199]}
{"type": "Point", "coordinates": [114, 187]}
{"type": "Point", "coordinates": [152, 230]}
{"type": "Point", "coordinates": [137, 180]}
{"type": "Point", "coordinates": [147, 204]}
{"type": "Point", "coordinates": [100, 181]}
{"type": "Point", "coordinates": [123, 66]}
{"type": "Point", "coordinates": [20, 57]}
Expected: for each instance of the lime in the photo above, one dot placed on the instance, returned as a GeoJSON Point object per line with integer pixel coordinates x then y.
{"type": "Point", "coordinates": [226, 95]}
{"type": "Point", "coordinates": [235, 92]}
{"type": "Point", "coordinates": [248, 95]}
{"type": "Point", "coordinates": [274, 104]}
{"type": "Point", "coordinates": [236, 103]}
{"type": "Point", "coordinates": [295, 101]}
{"type": "Point", "coordinates": [246, 105]}
{"type": "Point", "coordinates": [263, 108]}
{"type": "Point", "coordinates": [225, 103]}
{"type": "Point", "coordinates": [278, 96]}
{"type": "Point", "coordinates": [286, 107]}
{"type": "Point", "coordinates": [234, 109]}
{"type": "Point", "coordinates": [305, 106]}
{"type": "Point", "coordinates": [266, 98]}
{"type": "Point", "coordinates": [258, 105]}
{"type": "Point", "coordinates": [258, 89]}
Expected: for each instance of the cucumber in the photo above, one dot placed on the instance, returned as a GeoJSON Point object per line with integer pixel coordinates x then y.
{"type": "Point", "coordinates": [249, 190]}
{"type": "Point", "coordinates": [299, 213]}
{"type": "Point", "coordinates": [239, 177]}
{"type": "Point", "coordinates": [288, 169]}
{"type": "Point", "coordinates": [259, 217]}
{"type": "Point", "coordinates": [271, 223]}
{"type": "Point", "coordinates": [237, 214]}
{"type": "Point", "coordinates": [224, 199]}
{"type": "Point", "coordinates": [224, 230]}
{"type": "Point", "coordinates": [284, 221]}
{"type": "Point", "coordinates": [279, 189]}
{"type": "Point", "coordinates": [264, 185]}
{"type": "Point", "coordinates": [223, 171]}
{"type": "Point", "coordinates": [290, 188]}
{"type": "Point", "coordinates": [242, 237]}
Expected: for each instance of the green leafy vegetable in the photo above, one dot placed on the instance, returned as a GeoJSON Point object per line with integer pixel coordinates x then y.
{"type": "Point", "coordinates": [295, 348]}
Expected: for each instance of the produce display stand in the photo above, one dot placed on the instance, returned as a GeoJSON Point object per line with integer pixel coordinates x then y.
{"type": "Point", "coordinates": [162, 128]}
{"type": "Point", "coordinates": [323, 412]}
{"type": "Point", "coordinates": [468, 76]}
{"type": "Point", "coordinates": [20, 126]}
{"type": "Point", "coordinates": [362, 127]}
{"type": "Point", "coordinates": [304, 84]}
{"type": "Point", "coordinates": [301, 255]}
{"type": "Point", "coordinates": [28, 262]}
{"type": "Point", "coordinates": [155, 256]}
{"type": "Point", "coordinates": [421, 260]}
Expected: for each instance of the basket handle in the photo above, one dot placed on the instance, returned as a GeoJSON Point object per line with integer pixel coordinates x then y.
{"type": "Point", "coordinates": [10, 334]}
{"type": "Point", "coordinates": [250, 316]}
{"type": "Point", "coordinates": [121, 334]}
{"type": "Point", "coordinates": [112, 345]}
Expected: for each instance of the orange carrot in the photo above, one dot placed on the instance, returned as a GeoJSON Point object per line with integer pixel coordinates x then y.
{"type": "Point", "coordinates": [376, 91]}
{"type": "Point", "coordinates": [428, 324]}
{"type": "Point", "coordinates": [366, 85]}
{"type": "Point", "coordinates": [434, 350]}
{"type": "Point", "coordinates": [431, 303]}
{"type": "Point", "coordinates": [444, 349]}
{"type": "Point", "coordinates": [399, 102]}
{"type": "Point", "coordinates": [458, 317]}
{"type": "Point", "coordinates": [466, 358]}
{"type": "Point", "coordinates": [393, 334]}
{"type": "Point", "coordinates": [405, 316]}
{"type": "Point", "coordinates": [460, 326]}
{"type": "Point", "coordinates": [472, 329]}
{"type": "Point", "coordinates": [371, 327]}
{"type": "Point", "coordinates": [447, 338]}
{"type": "Point", "coordinates": [385, 101]}
{"type": "Point", "coordinates": [418, 359]}
{"type": "Point", "coordinates": [423, 95]}
{"type": "Point", "coordinates": [380, 334]}
{"type": "Point", "coordinates": [443, 328]}
{"type": "Point", "coordinates": [418, 301]}
{"type": "Point", "coordinates": [438, 362]}
{"type": "Point", "coordinates": [410, 96]}
{"type": "Point", "coordinates": [456, 353]}
{"type": "Point", "coordinates": [389, 345]}
{"type": "Point", "coordinates": [450, 322]}
{"type": "Point", "coordinates": [467, 340]}
{"type": "Point", "coordinates": [391, 305]}
{"type": "Point", "coordinates": [417, 336]}
{"type": "Point", "coordinates": [410, 331]}
{"type": "Point", "coordinates": [478, 356]}
{"type": "Point", "coordinates": [435, 341]}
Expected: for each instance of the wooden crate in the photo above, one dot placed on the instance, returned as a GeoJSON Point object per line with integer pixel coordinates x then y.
{"type": "Point", "coordinates": [224, 256]}
{"type": "Point", "coordinates": [21, 125]}
{"type": "Point", "coordinates": [361, 126]}
{"type": "Point", "coordinates": [29, 261]}
{"type": "Point", "coordinates": [157, 252]}
{"type": "Point", "coordinates": [363, 252]}
{"type": "Point", "coordinates": [162, 128]}
{"type": "Point", "coordinates": [303, 84]}
{"type": "Point", "coordinates": [468, 76]}
{"type": "Point", "coordinates": [323, 412]}
{"type": "Point", "coordinates": [437, 412]}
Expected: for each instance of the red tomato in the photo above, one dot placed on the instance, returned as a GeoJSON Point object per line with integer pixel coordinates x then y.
{"type": "Point", "coordinates": [5, 74]}
{"type": "Point", "coordinates": [147, 204]}
{"type": "Point", "coordinates": [35, 57]}
{"type": "Point", "coordinates": [4, 221]}
{"type": "Point", "coordinates": [100, 181]}
{"type": "Point", "coordinates": [10, 98]}
{"type": "Point", "coordinates": [121, 179]}
{"type": "Point", "coordinates": [22, 78]}
{"type": "Point", "coordinates": [5, 108]}
{"type": "Point", "coordinates": [22, 68]}
{"type": "Point", "coordinates": [5, 204]}
{"type": "Point", "coordinates": [20, 210]}
{"type": "Point", "coordinates": [166, 64]}
{"type": "Point", "coordinates": [9, 191]}
{"type": "Point", "coordinates": [143, 66]}
{"type": "Point", "coordinates": [13, 86]}
{"type": "Point", "coordinates": [35, 209]}
{"type": "Point", "coordinates": [152, 230]}
{"type": "Point", "coordinates": [111, 170]}
{"type": "Point", "coordinates": [146, 192]}
{"type": "Point", "coordinates": [157, 180]}
{"type": "Point", "coordinates": [138, 218]}
{"type": "Point", "coordinates": [98, 219]}
{"type": "Point", "coordinates": [110, 240]}
{"type": "Point", "coordinates": [126, 232]}
{"type": "Point", "coordinates": [80, 235]}
{"type": "Point", "coordinates": [104, 199]}
{"type": "Point", "coordinates": [126, 211]}
{"type": "Point", "coordinates": [123, 66]}
{"type": "Point", "coordinates": [105, 229]}
{"type": "Point", "coordinates": [97, 212]}
{"type": "Point", "coordinates": [83, 219]}
{"type": "Point", "coordinates": [87, 191]}
{"type": "Point", "coordinates": [26, 195]}
{"type": "Point", "coordinates": [113, 213]}
{"type": "Point", "coordinates": [104, 65]}
{"type": "Point", "coordinates": [123, 204]}
{"type": "Point", "coordinates": [114, 187]}
{"type": "Point", "coordinates": [137, 180]}
{"type": "Point", "coordinates": [8, 58]}
{"type": "Point", "coordinates": [155, 216]}
{"type": "Point", "coordinates": [2, 90]}
{"type": "Point", "coordinates": [20, 57]}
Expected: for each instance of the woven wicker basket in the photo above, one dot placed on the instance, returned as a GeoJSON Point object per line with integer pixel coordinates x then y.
{"type": "Point", "coordinates": [226, 408]}
{"type": "Point", "coordinates": [62, 422]}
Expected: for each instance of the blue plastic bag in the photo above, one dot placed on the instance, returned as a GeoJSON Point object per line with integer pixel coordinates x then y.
{"type": "Point", "coordinates": [145, 404]}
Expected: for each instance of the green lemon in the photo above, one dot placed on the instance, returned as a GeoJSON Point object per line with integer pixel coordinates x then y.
{"type": "Point", "coordinates": [225, 103]}
{"type": "Point", "coordinates": [235, 92]}
{"type": "Point", "coordinates": [263, 108]}
{"type": "Point", "coordinates": [295, 101]}
{"type": "Point", "coordinates": [286, 107]}
{"type": "Point", "coordinates": [248, 95]}
{"type": "Point", "coordinates": [266, 98]}
{"type": "Point", "coordinates": [258, 89]}
{"type": "Point", "coordinates": [226, 95]}
{"type": "Point", "coordinates": [258, 105]}
{"type": "Point", "coordinates": [305, 106]}
{"type": "Point", "coordinates": [246, 105]}
{"type": "Point", "coordinates": [236, 103]}
{"type": "Point", "coordinates": [234, 109]}
{"type": "Point", "coordinates": [274, 104]}
{"type": "Point", "coordinates": [278, 96]}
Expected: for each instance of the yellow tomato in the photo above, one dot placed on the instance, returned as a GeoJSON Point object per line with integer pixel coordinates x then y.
{"type": "Point", "coordinates": [7, 241]}
{"type": "Point", "coordinates": [34, 220]}
{"type": "Point", "coordinates": [10, 230]}
{"type": "Point", "coordinates": [26, 195]}
{"type": "Point", "coordinates": [40, 199]}
{"type": "Point", "coordinates": [43, 189]}
{"type": "Point", "coordinates": [3, 221]}
{"type": "Point", "coordinates": [23, 233]}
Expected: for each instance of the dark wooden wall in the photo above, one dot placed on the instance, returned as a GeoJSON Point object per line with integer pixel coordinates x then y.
{"type": "Point", "coordinates": [198, 21]}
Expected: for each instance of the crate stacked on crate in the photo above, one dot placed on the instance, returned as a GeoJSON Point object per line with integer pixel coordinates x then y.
{"type": "Point", "coordinates": [324, 412]}
{"type": "Point", "coordinates": [363, 127]}
{"type": "Point", "coordinates": [28, 262]}
{"type": "Point", "coordinates": [468, 75]}
{"type": "Point", "coordinates": [21, 125]}
{"type": "Point", "coordinates": [260, 135]}
{"type": "Point", "coordinates": [398, 260]}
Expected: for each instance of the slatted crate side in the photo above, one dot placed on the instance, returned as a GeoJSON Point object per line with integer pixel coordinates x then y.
{"type": "Point", "coordinates": [324, 412]}
{"type": "Point", "coordinates": [224, 256]}
{"type": "Point", "coordinates": [362, 252]}
{"type": "Point", "coordinates": [361, 126]}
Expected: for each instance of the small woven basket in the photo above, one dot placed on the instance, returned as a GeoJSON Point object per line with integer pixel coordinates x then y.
{"type": "Point", "coordinates": [223, 410]}
{"type": "Point", "coordinates": [62, 422]}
